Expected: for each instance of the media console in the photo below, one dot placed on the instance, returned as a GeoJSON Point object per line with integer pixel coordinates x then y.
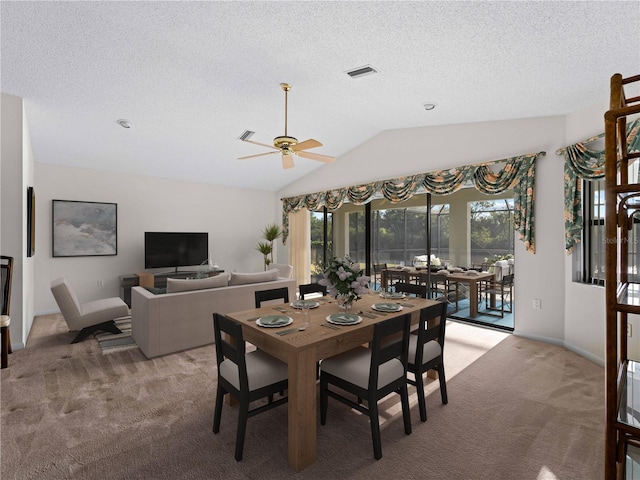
{"type": "Point", "coordinates": [159, 281]}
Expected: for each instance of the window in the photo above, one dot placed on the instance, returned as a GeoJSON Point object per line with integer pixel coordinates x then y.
{"type": "Point", "coordinates": [491, 229]}
{"type": "Point", "coordinates": [588, 261]}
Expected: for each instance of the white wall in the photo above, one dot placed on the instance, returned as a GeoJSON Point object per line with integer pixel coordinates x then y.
{"type": "Point", "coordinates": [233, 217]}
{"type": "Point", "coordinates": [402, 152]}
{"type": "Point", "coordinates": [16, 174]}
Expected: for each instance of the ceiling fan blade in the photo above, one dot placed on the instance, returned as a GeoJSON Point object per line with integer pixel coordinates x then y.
{"type": "Point", "coordinates": [287, 160]}
{"type": "Point", "coordinates": [307, 144]}
{"type": "Point", "coordinates": [316, 156]}
{"type": "Point", "coordinates": [260, 144]}
{"type": "Point", "coordinates": [257, 155]}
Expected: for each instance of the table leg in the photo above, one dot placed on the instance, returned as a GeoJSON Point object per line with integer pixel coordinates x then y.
{"type": "Point", "coordinates": [473, 299]}
{"type": "Point", "coordinates": [302, 409]}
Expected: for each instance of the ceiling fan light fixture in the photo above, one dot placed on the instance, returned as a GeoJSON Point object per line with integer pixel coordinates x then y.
{"type": "Point", "coordinates": [361, 71]}
{"type": "Point", "coordinates": [247, 134]}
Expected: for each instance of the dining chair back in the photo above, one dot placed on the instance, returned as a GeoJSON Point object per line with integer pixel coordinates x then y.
{"type": "Point", "coordinates": [309, 288]}
{"type": "Point", "coordinates": [441, 288]}
{"type": "Point", "coordinates": [411, 289]}
{"type": "Point", "coordinates": [246, 376]}
{"type": "Point", "coordinates": [394, 276]}
{"type": "Point", "coordinates": [273, 294]}
{"type": "Point", "coordinates": [371, 374]}
{"type": "Point", "coordinates": [6, 272]}
{"type": "Point", "coordinates": [426, 349]}
{"type": "Point", "coordinates": [376, 273]}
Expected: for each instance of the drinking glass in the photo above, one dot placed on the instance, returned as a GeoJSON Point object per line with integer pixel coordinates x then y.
{"type": "Point", "coordinates": [304, 306]}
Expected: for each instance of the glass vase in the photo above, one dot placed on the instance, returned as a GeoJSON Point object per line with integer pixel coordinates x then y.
{"type": "Point", "coordinates": [346, 302]}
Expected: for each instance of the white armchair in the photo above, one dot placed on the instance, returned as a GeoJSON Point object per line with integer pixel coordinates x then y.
{"type": "Point", "coordinates": [87, 317]}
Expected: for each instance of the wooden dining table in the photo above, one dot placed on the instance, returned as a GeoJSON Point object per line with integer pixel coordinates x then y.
{"type": "Point", "coordinates": [302, 349]}
{"type": "Point", "coordinates": [473, 281]}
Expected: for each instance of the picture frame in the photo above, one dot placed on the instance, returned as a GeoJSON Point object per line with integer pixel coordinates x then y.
{"type": "Point", "coordinates": [84, 229]}
{"type": "Point", "coordinates": [31, 222]}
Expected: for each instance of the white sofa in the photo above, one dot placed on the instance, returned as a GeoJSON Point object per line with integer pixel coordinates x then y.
{"type": "Point", "coordinates": [183, 318]}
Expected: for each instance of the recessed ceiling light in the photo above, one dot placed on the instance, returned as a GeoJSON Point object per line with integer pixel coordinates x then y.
{"type": "Point", "coordinates": [361, 71]}
{"type": "Point", "coordinates": [429, 106]}
{"type": "Point", "coordinates": [124, 123]}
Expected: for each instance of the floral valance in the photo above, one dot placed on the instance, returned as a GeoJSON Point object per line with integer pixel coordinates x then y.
{"type": "Point", "coordinates": [517, 173]}
{"type": "Point", "coordinates": [582, 163]}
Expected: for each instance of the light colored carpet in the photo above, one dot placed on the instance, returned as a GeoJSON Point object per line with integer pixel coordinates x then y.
{"type": "Point", "coordinates": [518, 409]}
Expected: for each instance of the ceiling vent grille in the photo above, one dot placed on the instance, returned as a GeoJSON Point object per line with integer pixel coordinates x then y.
{"type": "Point", "coordinates": [361, 71]}
{"type": "Point", "coordinates": [246, 135]}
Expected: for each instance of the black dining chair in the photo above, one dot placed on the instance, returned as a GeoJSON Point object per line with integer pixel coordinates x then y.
{"type": "Point", "coordinates": [426, 347]}
{"type": "Point", "coordinates": [246, 376]}
{"type": "Point", "coordinates": [371, 374]}
{"type": "Point", "coordinates": [6, 268]}
{"type": "Point", "coordinates": [309, 288]}
{"type": "Point", "coordinates": [411, 289]}
{"type": "Point", "coordinates": [273, 294]}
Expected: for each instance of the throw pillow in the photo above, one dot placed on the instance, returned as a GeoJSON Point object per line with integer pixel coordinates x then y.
{"type": "Point", "coordinates": [258, 277]}
{"type": "Point", "coordinates": [184, 285]}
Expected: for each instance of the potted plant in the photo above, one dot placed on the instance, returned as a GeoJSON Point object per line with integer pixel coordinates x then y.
{"type": "Point", "coordinates": [270, 233]}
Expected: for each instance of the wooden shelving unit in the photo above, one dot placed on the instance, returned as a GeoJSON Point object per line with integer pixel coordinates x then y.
{"type": "Point", "coordinates": [622, 197]}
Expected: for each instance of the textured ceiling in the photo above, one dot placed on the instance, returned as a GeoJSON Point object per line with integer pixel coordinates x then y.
{"type": "Point", "coordinates": [192, 76]}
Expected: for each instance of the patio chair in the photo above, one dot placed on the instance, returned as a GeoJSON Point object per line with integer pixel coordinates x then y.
{"type": "Point", "coordinates": [501, 291]}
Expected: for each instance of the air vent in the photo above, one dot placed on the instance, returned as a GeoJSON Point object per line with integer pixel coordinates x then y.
{"type": "Point", "coordinates": [247, 134]}
{"type": "Point", "coordinates": [361, 71]}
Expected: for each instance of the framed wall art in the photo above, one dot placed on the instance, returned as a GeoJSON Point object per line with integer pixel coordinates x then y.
{"type": "Point", "coordinates": [82, 229]}
{"type": "Point", "coordinates": [31, 222]}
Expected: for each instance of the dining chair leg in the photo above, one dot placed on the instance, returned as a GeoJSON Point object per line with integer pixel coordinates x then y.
{"type": "Point", "coordinates": [374, 420]}
{"type": "Point", "coordinates": [443, 384]}
{"type": "Point", "coordinates": [422, 404]}
{"type": "Point", "coordinates": [218, 409]}
{"type": "Point", "coordinates": [406, 413]}
{"type": "Point", "coordinates": [243, 415]}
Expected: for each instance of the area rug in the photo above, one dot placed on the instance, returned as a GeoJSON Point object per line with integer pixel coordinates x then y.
{"type": "Point", "coordinates": [112, 343]}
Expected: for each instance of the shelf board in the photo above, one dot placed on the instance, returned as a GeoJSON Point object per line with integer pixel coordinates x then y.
{"type": "Point", "coordinates": [629, 406]}
{"type": "Point", "coordinates": [628, 295]}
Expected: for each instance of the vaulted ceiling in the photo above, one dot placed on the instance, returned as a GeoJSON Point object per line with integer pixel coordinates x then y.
{"type": "Point", "coordinates": [191, 77]}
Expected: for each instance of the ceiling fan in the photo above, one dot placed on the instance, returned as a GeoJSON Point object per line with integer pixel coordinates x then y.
{"type": "Point", "coordinates": [287, 145]}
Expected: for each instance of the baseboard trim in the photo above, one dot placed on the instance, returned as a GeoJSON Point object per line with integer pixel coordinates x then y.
{"type": "Point", "coordinates": [577, 350]}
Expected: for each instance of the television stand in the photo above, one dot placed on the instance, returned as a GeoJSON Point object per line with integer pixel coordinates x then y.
{"type": "Point", "coordinates": [127, 282]}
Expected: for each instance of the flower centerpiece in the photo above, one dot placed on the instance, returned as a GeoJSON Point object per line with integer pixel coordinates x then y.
{"type": "Point", "coordinates": [345, 281]}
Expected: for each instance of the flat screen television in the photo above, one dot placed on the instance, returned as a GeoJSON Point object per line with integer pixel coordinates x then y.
{"type": "Point", "coordinates": [175, 249]}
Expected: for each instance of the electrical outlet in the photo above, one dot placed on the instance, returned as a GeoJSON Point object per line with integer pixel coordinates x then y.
{"type": "Point", "coordinates": [537, 304]}
{"type": "Point", "coordinates": [101, 283]}
{"type": "Point", "coordinates": [629, 330]}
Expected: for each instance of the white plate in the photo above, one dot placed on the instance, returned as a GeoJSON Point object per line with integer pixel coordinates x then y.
{"type": "Point", "coordinates": [311, 303]}
{"type": "Point", "coordinates": [393, 295]}
{"type": "Point", "coordinates": [270, 321]}
{"type": "Point", "coordinates": [386, 307]}
{"type": "Point", "coordinates": [344, 319]}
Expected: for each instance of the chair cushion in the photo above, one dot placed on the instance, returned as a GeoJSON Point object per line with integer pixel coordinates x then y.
{"type": "Point", "coordinates": [185, 285]}
{"type": "Point", "coordinates": [5, 320]}
{"type": "Point", "coordinates": [353, 366]}
{"type": "Point", "coordinates": [99, 311]}
{"type": "Point", "coordinates": [258, 277]}
{"type": "Point", "coordinates": [430, 349]}
{"type": "Point", "coordinates": [262, 370]}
